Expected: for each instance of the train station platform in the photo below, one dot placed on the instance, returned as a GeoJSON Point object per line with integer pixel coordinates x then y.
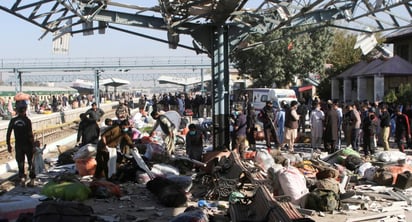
{"type": "Point", "coordinates": [47, 121]}
{"type": "Point", "coordinates": [43, 121]}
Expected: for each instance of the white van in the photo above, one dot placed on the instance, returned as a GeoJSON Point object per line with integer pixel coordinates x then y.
{"type": "Point", "coordinates": [259, 96]}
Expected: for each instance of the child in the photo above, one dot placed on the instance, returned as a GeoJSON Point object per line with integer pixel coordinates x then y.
{"type": "Point", "coordinates": [38, 162]}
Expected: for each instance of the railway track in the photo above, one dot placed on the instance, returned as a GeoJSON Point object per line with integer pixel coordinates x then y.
{"type": "Point", "coordinates": [45, 136]}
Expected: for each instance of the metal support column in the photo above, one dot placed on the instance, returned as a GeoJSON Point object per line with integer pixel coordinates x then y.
{"type": "Point", "coordinates": [18, 81]}
{"type": "Point", "coordinates": [220, 83]}
{"type": "Point", "coordinates": [96, 87]}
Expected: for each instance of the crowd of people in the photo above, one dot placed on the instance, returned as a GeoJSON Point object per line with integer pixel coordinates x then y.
{"type": "Point", "coordinates": [330, 124]}
{"type": "Point", "coordinates": [361, 125]}
{"type": "Point", "coordinates": [196, 105]}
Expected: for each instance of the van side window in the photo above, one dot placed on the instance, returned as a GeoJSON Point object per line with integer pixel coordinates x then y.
{"type": "Point", "coordinates": [263, 98]}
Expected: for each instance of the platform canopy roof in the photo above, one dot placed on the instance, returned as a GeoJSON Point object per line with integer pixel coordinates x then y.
{"type": "Point", "coordinates": [115, 82]}
{"type": "Point", "coordinates": [181, 81]}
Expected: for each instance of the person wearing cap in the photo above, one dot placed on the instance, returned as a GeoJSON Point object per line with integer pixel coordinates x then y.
{"type": "Point", "coordinates": [23, 141]}
{"type": "Point", "coordinates": [291, 125]}
{"type": "Point", "coordinates": [95, 113]}
{"type": "Point", "coordinates": [268, 116]}
{"type": "Point", "coordinates": [122, 111]}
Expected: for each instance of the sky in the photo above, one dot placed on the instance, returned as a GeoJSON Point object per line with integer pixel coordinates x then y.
{"type": "Point", "coordinates": [20, 39]}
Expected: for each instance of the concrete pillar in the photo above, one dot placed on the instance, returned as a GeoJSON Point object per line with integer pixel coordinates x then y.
{"type": "Point", "coordinates": [379, 87]}
{"type": "Point", "coordinates": [361, 88]}
{"type": "Point", "coordinates": [347, 90]}
{"type": "Point", "coordinates": [335, 89]}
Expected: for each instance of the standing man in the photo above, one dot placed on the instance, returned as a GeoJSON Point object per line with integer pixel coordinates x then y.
{"type": "Point", "coordinates": [317, 117]}
{"type": "Point", "coordinates": [331, 128]}
{"type": "Point", "coordinates": [240, 130]}
{"type": "Point", "coordinates": [168, 128]}
{"type": "Point", "coordinates": [302, 111]}
{"type": "Point", "coordinates": [95, 113]}
{"type": "Point", "coordinates": [356, 124]}
{"type": "Point", "coordinates": [402, 129]}
{"type": "Point", "coordinates": [385, 125]}
{"type": "Point", "coordinates": [280, 121]}
{"type": "Point", "coordinates": [181, 104]}
{"type": "Point", "coordinates": [89, 131]}
{"type": "Point", "coordinates": [194, 144]}
{"type": "Point", "coordinates": [291, 125]}
{"type": "Point", "coordinates": [122, 111]}
{"type": "Point", "coordinates": [251, 127]}
{"type": "Point", "coordinates": [267, 117]}
{"type": "Point", "coordinates": [142, 104]}
{"type": "Point", "coordinates": [24, 141]}
{"type": "Point", "coordinates": [208, 104]}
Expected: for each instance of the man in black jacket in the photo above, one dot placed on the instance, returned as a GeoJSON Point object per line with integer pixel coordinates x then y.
{"type": "Point", "coordinates": [267, 116]}
{"type": "Point", "coordinates": [23, 140]}
{"type": "Point", "coordinates": [88, 131]}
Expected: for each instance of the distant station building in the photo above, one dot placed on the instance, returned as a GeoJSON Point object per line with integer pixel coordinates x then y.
{"type": "Point", "coordinates": [372, 80]}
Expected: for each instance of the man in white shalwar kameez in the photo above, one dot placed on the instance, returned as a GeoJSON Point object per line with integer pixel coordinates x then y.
{"type": "Point", "coordinates": [317, 117]}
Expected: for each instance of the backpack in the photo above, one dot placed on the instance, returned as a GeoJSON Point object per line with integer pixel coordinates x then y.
{"type": "Point", "coordinates": [322, 200]}
{"type": "Point", "coordinates": [353, 162]}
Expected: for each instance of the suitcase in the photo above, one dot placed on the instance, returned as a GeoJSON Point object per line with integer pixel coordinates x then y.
{"type": "Point", "coordinates": [404, 180]}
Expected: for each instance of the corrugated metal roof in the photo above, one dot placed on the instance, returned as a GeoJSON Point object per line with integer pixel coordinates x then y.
{"type": "Point", "coordinates": [398, 34]}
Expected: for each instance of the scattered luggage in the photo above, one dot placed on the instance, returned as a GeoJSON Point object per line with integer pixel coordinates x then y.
{"type": "Point", "coordinates": [404, 180]}
{"type": "Point", "coordinates": [63, 211]}
{"type": "Point", "coordinates": [322, 200]}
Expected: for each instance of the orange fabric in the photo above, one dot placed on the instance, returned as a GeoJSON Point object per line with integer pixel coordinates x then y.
{"type": "Point", "coordinates": [86, 166]}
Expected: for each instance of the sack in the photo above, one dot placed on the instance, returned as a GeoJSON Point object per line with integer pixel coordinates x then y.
{"type": "Point", "coordinates": [63, 211]}
{"type": "Point", "coordinates": [383, 177]}
{"type": "Point", "coordinates": [66, 191]}
{"type": "Point", "coordinates": [322, 200]}
{"type": "Point", "coordinates": [293, 184]}
{"type": "Point", "coordinates": [328, 184]}
{"type": "Point", "coordinates": [21, 97]}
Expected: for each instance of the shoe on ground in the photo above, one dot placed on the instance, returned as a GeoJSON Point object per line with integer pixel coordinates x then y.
{"type": "Point", "coordinates": [23, 182]}
{"type": "Point", "coordinates": [31, 183]}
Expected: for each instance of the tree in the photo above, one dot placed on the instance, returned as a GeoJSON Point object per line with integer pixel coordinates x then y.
{"type": "Point", "coordinates": [402, 94]}
{"type": "Point", "coordinates": [342, 56]}
{"type": "Point", "coordinates": [282, 56]}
